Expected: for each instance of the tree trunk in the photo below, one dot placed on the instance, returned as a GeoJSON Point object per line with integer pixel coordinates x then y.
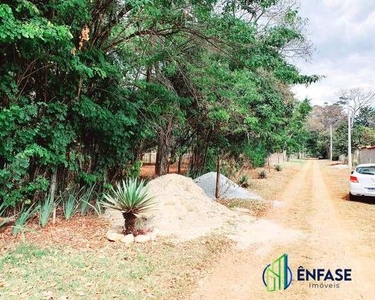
{"type": "Point", "coordinates": [217, 187]}
{"type": "Point", "coordinates": [179, 164]}
{"type": "Point", "coordinates": [52, 191]}
{"type": "Point", "coordinates": [162, 159]}
{"type": "Point", "coordinates": [162, 155]}
{"type": "Point", "coordinates": [129, 224]}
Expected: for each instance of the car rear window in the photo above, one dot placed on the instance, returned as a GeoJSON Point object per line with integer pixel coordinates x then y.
{"type": "Point", "coordinates": [366, 170]}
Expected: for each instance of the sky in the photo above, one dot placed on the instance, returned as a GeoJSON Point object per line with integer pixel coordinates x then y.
{"type": "Point", "coordinates": [343, 33]}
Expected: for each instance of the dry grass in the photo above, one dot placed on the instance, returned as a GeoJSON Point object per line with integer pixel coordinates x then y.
{"type": "Point", "coordinates": [160, 270]}
{"type": "Point", "coordinates": [78, 233]}
{"type": "Point", "coordinates": [270, 187]}
{"type": "Point", "coordinates": [254, 208]}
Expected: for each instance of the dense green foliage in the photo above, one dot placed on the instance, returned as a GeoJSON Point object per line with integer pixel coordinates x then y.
{"type": "Point", "coordinates": [86, 87]}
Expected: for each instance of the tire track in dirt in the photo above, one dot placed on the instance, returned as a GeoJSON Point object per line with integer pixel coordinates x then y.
{"type": "Point", "coordinates": [325, 243]}
{"type": "Point", "coordinates": [238, 275]}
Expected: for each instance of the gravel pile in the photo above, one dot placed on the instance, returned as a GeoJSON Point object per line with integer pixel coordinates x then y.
{"type": "Point", "coordinates": [340, 167]}
{"type": "Point", "coordinates": [228, 189]}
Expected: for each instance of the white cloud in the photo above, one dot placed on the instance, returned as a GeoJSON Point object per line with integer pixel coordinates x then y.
{"type": "Point", "coordinates": [342, 32]}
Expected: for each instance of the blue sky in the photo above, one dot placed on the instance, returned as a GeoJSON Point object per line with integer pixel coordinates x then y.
{"type": "Point", "coordinates": [343, 33]}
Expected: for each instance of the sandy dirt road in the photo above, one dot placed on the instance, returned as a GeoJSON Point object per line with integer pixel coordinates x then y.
{"type": "Point", "coordinates": [335, 233]}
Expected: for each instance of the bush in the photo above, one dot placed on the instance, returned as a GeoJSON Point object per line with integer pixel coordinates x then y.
{"type": "Point", "coordinates": [278, 168]}
{"type": "Point", "coordinates": [244, 181]}
{"type": "Point", "coordinates": [134, 170]}
{"type": "Point", "coordinates": [257, 154]}
{"type": "Point", "coordinates": [262, 174]}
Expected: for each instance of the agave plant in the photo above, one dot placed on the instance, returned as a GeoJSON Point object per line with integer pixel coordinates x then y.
{"type": "Point", "coordinates": [45, 211]}
{"type": "Point", "coordinates": [19, 224]}
{"type": "Point", "coordinates": [262, 174]}
{"type": "Point", "coordinates": [131, 198]}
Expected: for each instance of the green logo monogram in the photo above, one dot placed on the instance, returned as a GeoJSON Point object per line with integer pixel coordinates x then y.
{"type": "Point", "coordinates": [277, 275]}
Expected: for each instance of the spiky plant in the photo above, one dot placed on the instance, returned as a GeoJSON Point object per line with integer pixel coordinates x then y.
{"type": "Point", "coordinates": [131, 198]}
{"type": "Point", "coordinates": [262, 174]}
{"type": "Point", "coordinates": [19, 224]}
{"type": "Point", "coordinates": [70, 206]}
{"type": "Point", "coordinates": [45, 211]}
{"type": "Point", "coordinates": [244, 181]}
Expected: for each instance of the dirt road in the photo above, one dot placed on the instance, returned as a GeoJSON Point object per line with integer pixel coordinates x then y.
{"type": "Point", "coordinates": [335, 233]}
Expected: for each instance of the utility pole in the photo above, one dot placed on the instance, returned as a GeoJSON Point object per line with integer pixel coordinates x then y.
{"type": "Point", "coordinates": [349, 137]}
{"type": "Point", "coordinates": [330, 142]}
{"type": "Point", "coordinates": [347, 99]}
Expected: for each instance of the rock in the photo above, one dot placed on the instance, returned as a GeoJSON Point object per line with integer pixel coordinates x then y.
{"type": "Point", "coordinates": [128, 239]}
{"type": "Point", "coordinates": [142, 238]}
{"type": "Point", "coordinates": [114, 236]}
{"type": "Point", "coordinates": [152, 235]}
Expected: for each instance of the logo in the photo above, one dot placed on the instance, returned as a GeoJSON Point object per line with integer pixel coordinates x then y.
{"type": "Point", "coordinates": [277, 275]}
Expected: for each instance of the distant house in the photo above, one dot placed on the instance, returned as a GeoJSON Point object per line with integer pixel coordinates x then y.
{"type": "Point", "coordinates": [366, 155]}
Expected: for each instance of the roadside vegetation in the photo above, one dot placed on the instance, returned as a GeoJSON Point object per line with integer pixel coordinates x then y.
{"type": "Point", "coordinates": [335, 115]}
{"type": "Point", "coordinates": [88, 87]}
{"type": "Point", "coordinates": [73, 258]}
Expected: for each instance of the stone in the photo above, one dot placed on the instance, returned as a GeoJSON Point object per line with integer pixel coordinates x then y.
{"type": "Point", "coordinates": [128, 239]}
{"type": "Point", "coordinates": [114, 236]}
{"type": "Point", "coordinates": [142, 238]}
{"type": "Point", "coordinates": [152, 236]}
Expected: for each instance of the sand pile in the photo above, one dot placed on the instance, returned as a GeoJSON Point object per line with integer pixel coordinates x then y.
{"type": "Point", "coordinates": [228, 189]}
{"type": "Point", "coordinates": [184, 210]}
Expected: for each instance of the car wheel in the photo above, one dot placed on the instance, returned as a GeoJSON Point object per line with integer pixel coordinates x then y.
{"type": "Point", "coordinates": [352, 197]}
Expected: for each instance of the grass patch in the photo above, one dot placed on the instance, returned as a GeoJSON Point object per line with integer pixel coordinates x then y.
{"type": "Point", "coordinates": [297, 161]}
{"type": "Point", "coordinates": [255, 208]}
{"type": "Point", "coordinates": [161, 270]}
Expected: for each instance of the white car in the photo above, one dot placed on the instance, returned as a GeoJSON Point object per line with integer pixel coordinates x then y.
{"type": "Point", "coordinates": [362, 181]}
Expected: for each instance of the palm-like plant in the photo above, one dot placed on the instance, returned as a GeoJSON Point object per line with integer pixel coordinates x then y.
{"type": "Point", "coordinates": [131, 198]}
